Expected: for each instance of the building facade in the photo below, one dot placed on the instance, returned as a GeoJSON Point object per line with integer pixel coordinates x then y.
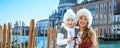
{"type": "Point", "coordinates": [116, 24]}
{"type": "Point", "coordinates": [18, 28]}
{"type": "Point", "coordinates": [42, 26]}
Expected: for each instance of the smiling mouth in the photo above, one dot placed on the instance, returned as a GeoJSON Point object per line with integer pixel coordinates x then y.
{"type": "Point", "coordinates": [70, 24]}
{"type": "Point", "coordinates": [82, 23]}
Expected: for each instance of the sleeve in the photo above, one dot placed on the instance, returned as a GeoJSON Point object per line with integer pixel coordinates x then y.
{"type": "Point", "coordinates": [61, 40]}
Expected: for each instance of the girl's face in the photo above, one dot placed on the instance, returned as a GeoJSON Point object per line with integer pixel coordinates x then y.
{"type": "Point", "coordinates": [70, 22]}
{"type": "Point", "coordinates": [83, 22]}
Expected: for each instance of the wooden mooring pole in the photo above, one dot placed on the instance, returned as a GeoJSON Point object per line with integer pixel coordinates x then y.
{"type": "Point", "coordinates": [33, 38]}
{"type": "Point", "coordinates": [9, 35]}
{"type": "Point", "coordinates": [31, 33]}
{"type": "Point", "coordinates": [51, 39]}
{"type": "Point", "coordinates": [4, 36]}
{"type": "Point", "coordinates": [49, 34]}
{"type": "Point", "coordinates": [54, 38]}
{"type": "Point", "coordinates": [1, 36]}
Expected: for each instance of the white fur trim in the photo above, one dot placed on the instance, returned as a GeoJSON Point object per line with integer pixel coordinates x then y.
{"type": "Point", "coordinates": [86, 13]}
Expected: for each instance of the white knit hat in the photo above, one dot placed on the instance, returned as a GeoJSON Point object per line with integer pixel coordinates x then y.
{"type": "Point", "coordinates": [86, 13]}
{"type": "Point", "coordinates": [69, 14]}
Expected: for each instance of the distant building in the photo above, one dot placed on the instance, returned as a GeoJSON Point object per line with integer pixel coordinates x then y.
{"type": "Point", "coordinates": [17, 29]}
{"type": "Point", "coordinates": [42, 26]}
{"type": "Point", "coordinates": [116, 7]}
{"type": "Point", "coordinates": [116, 24]}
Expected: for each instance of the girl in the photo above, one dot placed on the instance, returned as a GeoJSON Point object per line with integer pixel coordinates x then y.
{"type": "Point", "coordinates": [85, 32]}
{"type": "Point", "coordinates": [66, 33]}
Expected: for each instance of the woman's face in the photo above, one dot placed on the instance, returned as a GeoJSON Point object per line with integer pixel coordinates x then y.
{"type": "Point", "coordinates": [70, 22]}
{"type": "Point", "coordinates": [83, 22]}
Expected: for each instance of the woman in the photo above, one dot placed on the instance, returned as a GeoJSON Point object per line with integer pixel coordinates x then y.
{"type": "Point", "coordinates": [85, 32]}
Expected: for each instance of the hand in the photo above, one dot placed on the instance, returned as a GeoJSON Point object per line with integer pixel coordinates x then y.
{"type": "Point", "coordinates": [78, 41]}
{"type": "Point", "coordinates": [70, 39]}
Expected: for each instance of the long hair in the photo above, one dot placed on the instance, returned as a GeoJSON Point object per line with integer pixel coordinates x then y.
{"type": "Point", "coordinates": [87, 36]}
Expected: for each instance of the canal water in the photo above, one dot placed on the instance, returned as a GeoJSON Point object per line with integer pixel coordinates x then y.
{"type": "Point", "coordinates": [42, 42]}
{"type": "Point", "coordinates": [109, 44]}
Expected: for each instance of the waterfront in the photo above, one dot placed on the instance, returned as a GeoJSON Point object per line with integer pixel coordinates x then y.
{"type": "Point", "coordinates": [102, 44]}
{"type": "Point", "coordinates": [39, 40]}
{"type": "Point", "coordinates": [109, 44]}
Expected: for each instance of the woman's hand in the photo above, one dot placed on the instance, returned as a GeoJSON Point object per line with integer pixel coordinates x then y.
{"type": "Point", "coordinates": [78, 41]}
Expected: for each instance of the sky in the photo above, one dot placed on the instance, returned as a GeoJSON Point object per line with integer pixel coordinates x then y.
{"type": "Point", "coordinates": [25, 10]}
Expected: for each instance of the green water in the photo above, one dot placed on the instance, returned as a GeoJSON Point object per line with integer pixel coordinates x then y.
{"type": "Point", "coordinates": [109, 44]}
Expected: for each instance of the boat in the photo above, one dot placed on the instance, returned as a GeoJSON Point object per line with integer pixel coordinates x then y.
{"type": "Point", "coordinates": [110, 39]}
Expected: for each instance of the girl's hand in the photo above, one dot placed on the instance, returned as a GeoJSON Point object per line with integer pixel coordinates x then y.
{"type": "Point", "coordinates": [70, 39]}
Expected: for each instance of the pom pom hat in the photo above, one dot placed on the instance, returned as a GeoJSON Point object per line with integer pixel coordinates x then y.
{"type": "Point", "coordinates": [69, 14]}
{"type": "Point", "coordinates": [86, 13]}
